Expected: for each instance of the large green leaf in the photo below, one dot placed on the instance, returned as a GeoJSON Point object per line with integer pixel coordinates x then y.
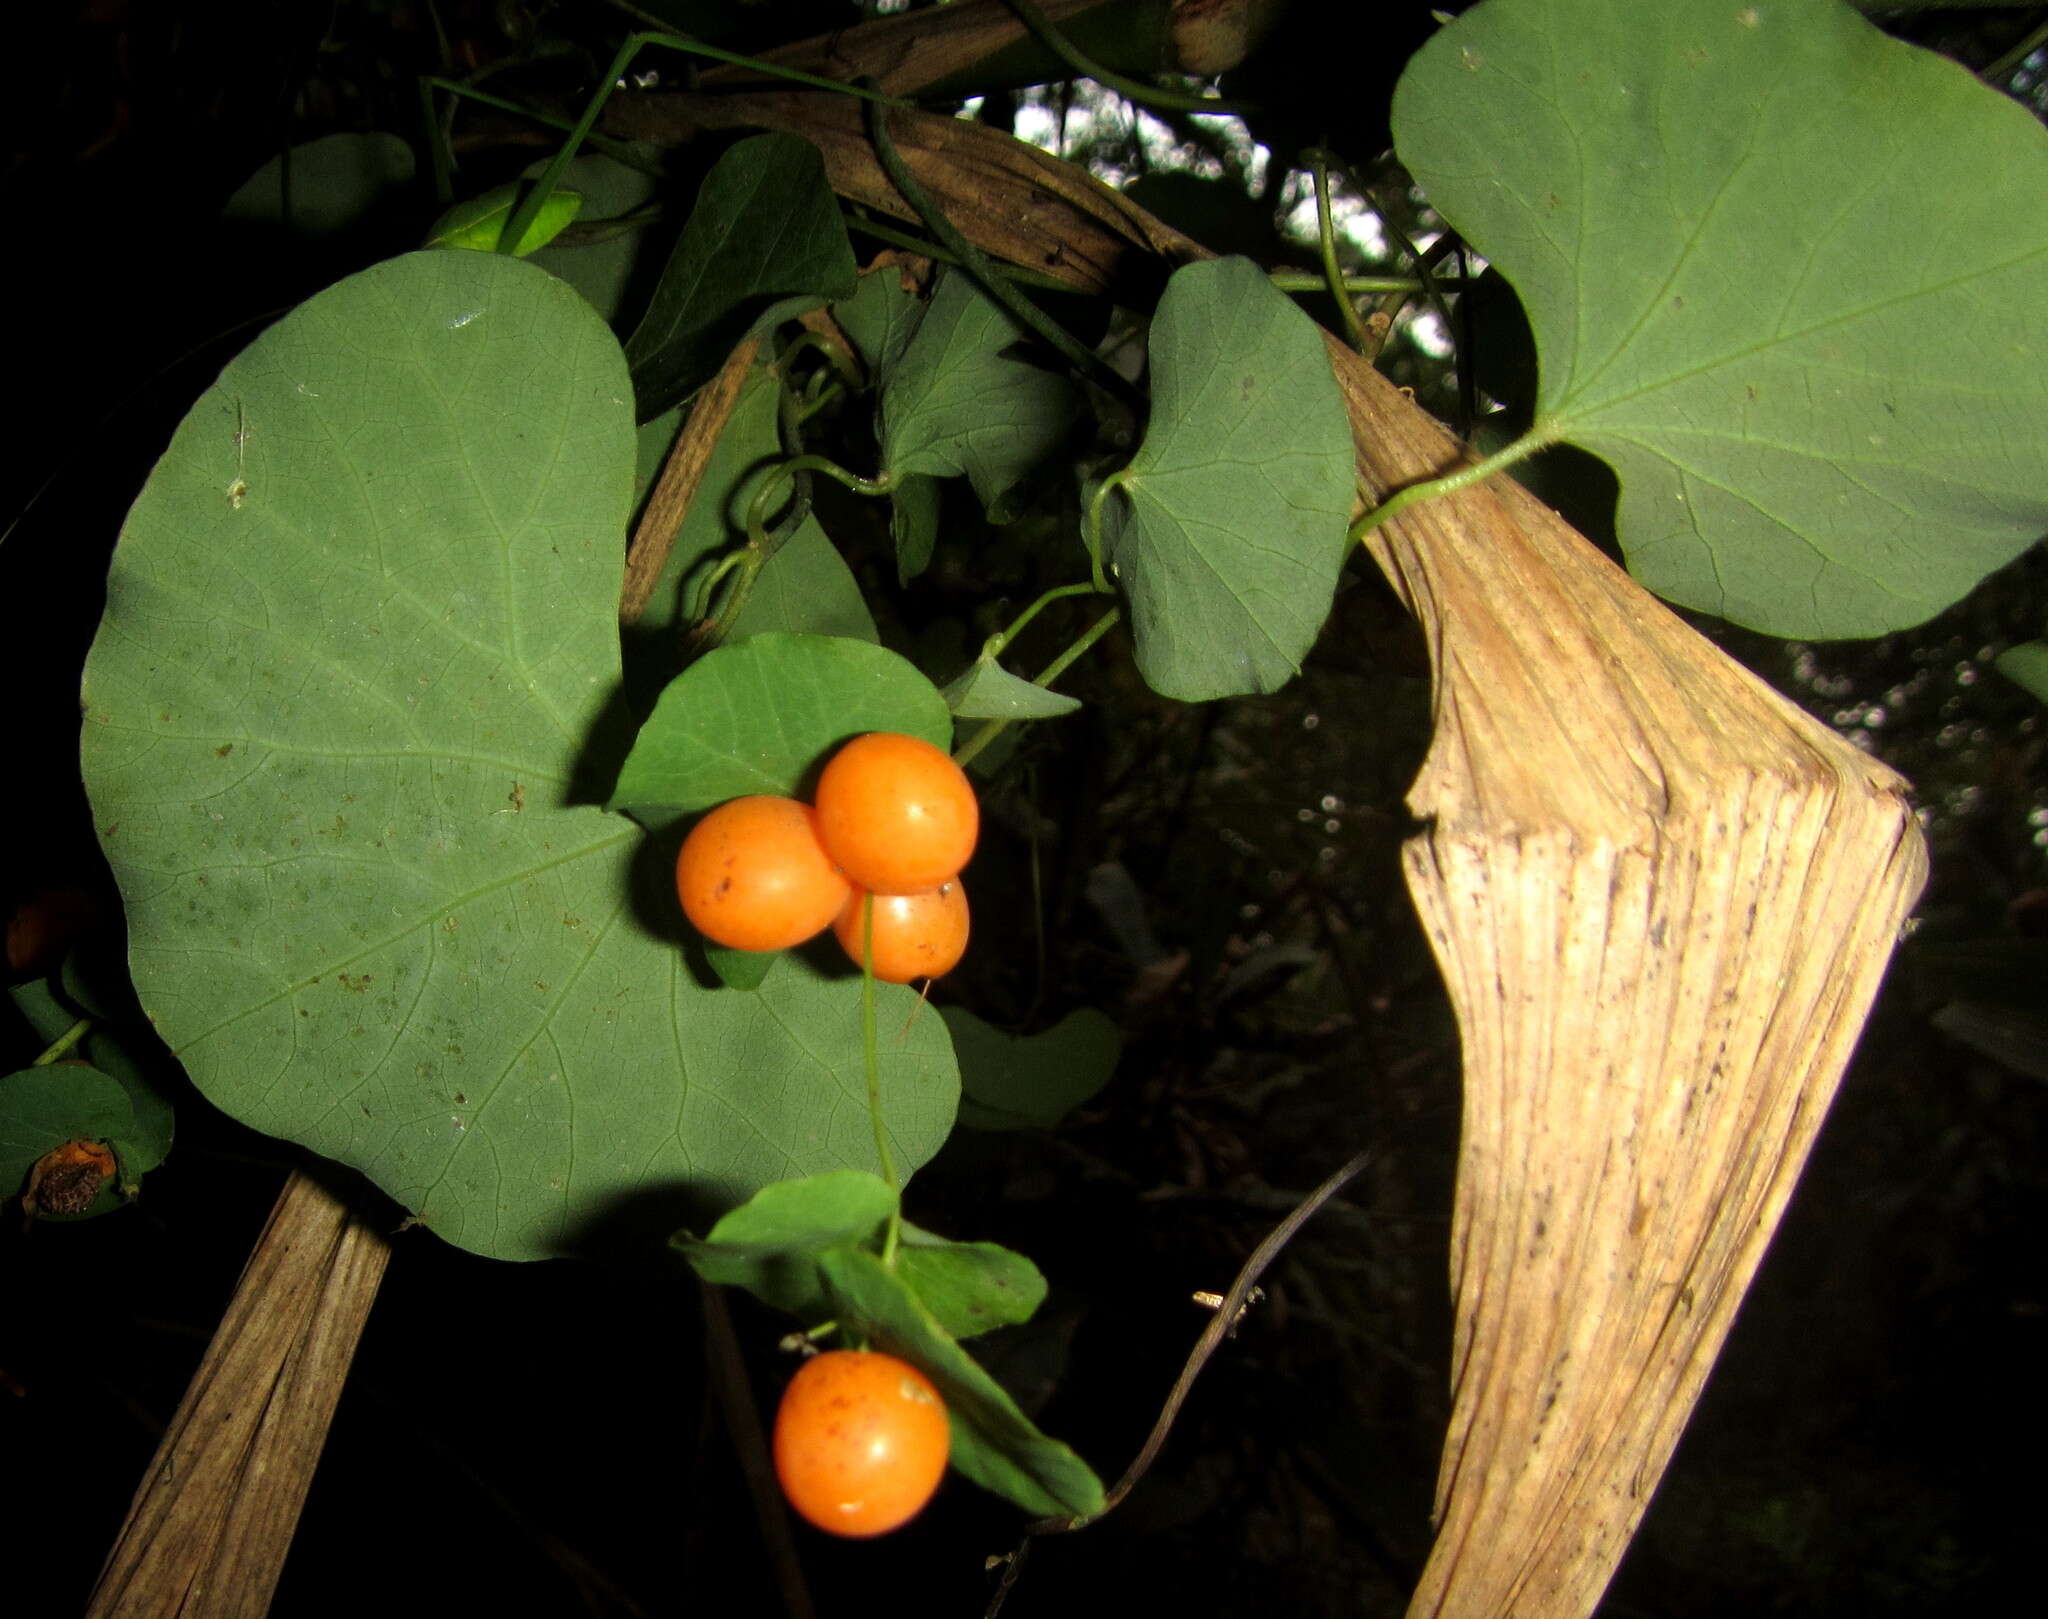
{"type": "Point", "coordinates": [764, 241]}
{"type": "Point", "coordinates": [955, 400]}
{"type": "Point", "coordinates": [1231, 532]}
{"type": "Point", "coordinates": [761, 714]}
{"type": "Point", "coordinates": [1789, 276]}
{"type": "Point", "coordinates": [361, 627]}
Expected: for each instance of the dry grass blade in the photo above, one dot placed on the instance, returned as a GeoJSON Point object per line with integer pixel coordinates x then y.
{"type": "Point", "coordinates": [207, 1533]}
{"type": "Point", "coordinates": [1662, 896]}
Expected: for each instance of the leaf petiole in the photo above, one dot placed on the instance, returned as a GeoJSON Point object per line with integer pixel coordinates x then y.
{"type": "Point", "coordinates": [1450, 482]}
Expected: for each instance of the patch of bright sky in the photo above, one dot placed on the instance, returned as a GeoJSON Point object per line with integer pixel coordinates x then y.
{"type": "Point", "coordinates": [1097, 119]}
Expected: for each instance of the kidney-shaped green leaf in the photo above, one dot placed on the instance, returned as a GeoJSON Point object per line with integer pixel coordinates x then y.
{"type": "Point", "coordinates": [994, 1443]}
{"type": "Point", "coordinates": [1788, 275]}
{"type": "Point", "coordinates": [1232, 531]}
{"type": "Point", "coordinates": [754, 716]}
{"type": "Point", "coordinates": [1030, 1081]}
{"type": "Point", "coordinates": [360, 626]}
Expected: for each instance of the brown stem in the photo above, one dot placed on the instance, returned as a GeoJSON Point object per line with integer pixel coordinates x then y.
{"type": "Point", "coordinates": [680, 477]}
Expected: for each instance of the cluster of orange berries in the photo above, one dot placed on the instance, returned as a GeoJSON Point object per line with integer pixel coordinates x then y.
{"type": "Point", "coordinates": [894, 818]}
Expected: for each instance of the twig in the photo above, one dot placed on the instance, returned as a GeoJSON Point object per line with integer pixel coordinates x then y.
{"type": "Point", "coordinates": [666, 507]}
{"type": "Point", "coordinates": [743, 1423]}
{"type": "Point", "coordinates": [1218, 1329]}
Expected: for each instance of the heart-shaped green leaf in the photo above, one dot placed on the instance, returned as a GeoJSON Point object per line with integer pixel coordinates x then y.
{"type": "Point", "coordinates": [1787, 275]}
{"type": "Point", "coordinates": [361, 633]}
{"type": "Point", "coordinates": [1233, 527]}
{"type": "Point", "coordinates": [764, 242]}
{"type": "Point", "coordinates": [957, 401]}
{"type": "Point", "coordinates": [756, 716]}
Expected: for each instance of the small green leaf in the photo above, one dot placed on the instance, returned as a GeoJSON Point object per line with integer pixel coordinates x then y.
{"type": "Point", "coordinates": [755, 716]}
{"type": "Point", "coordinates": [994, 1443]}
{"type": "Point", "coordinates": [323, 187]}
{"type": "Point", "coordinates": [478, 225]}
{"type": "Point", "coordinates": [2026, 665]}
{"type": "Point", "coordinates": [969, 1287]}
{"type": "Point", "coordinates": [1785, 274]}
{"type": "Point", "coordinates": [985, 690]}
{"type": "Point", "coordinates": [764, 242]}
{"type": "Point", "coordinates": [1233, 527]}
{"type": "Point", "coordinates": [42, 1108]}
{"type": "Point", "coordinates": [1021, 1082]}
{"type": "Point", "coordinates": [958, 402]}
{"type": "Point", "coordinates": [772, 1244]}
{"type": "Point", "coordinates": [740, 969]}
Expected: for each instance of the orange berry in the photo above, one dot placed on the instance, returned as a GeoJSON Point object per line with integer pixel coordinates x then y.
{"type": "Point", "coordinates": [896, 814]}
{"type": "Point", "coordinates": [861, 1442]}
{"type": "Point", "coordinates": [752, 875]}
{"type": "Point", "coordinates": [915, 935]}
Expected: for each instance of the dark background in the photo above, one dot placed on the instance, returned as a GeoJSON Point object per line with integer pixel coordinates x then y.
{"type": "Point", "coordinates": [540, 1438]}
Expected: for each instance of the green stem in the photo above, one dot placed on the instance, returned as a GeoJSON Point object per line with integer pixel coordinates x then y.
{"type": "Point", "coordinates": [972, 747]}
{"type": "Point", "coordinates": [1326, 232]}
{"type": "Point", "coordinates": [1302, 281]}
{"type": "Point", "coordinates": [2001, 70]}
{"type": "Point", "coordinates": [833, 353]}
{"type": "Point", "coordinates": [924, 247]}
{"type": "Point", "coordinates": [993, 647]}
{"type": "Point", "coordinates": [621, 151]}
{"type": "Point", "coordinates": [1462, 478]}
{"type": "Point", "coordinates": [873, 1059]}
{"type": "Point", "coordinates": [64, 1042]}
{"type": "Point", "coordinates": [982, 268]}
{"type": "Point", "coordinates": [1145, 95]}
{"type": "Point", "coordinates": [437, 144]}
{"type": "Point", "coordinates": [1091, 527]}
{"type": "Point", "coordinates": [786, 471]}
